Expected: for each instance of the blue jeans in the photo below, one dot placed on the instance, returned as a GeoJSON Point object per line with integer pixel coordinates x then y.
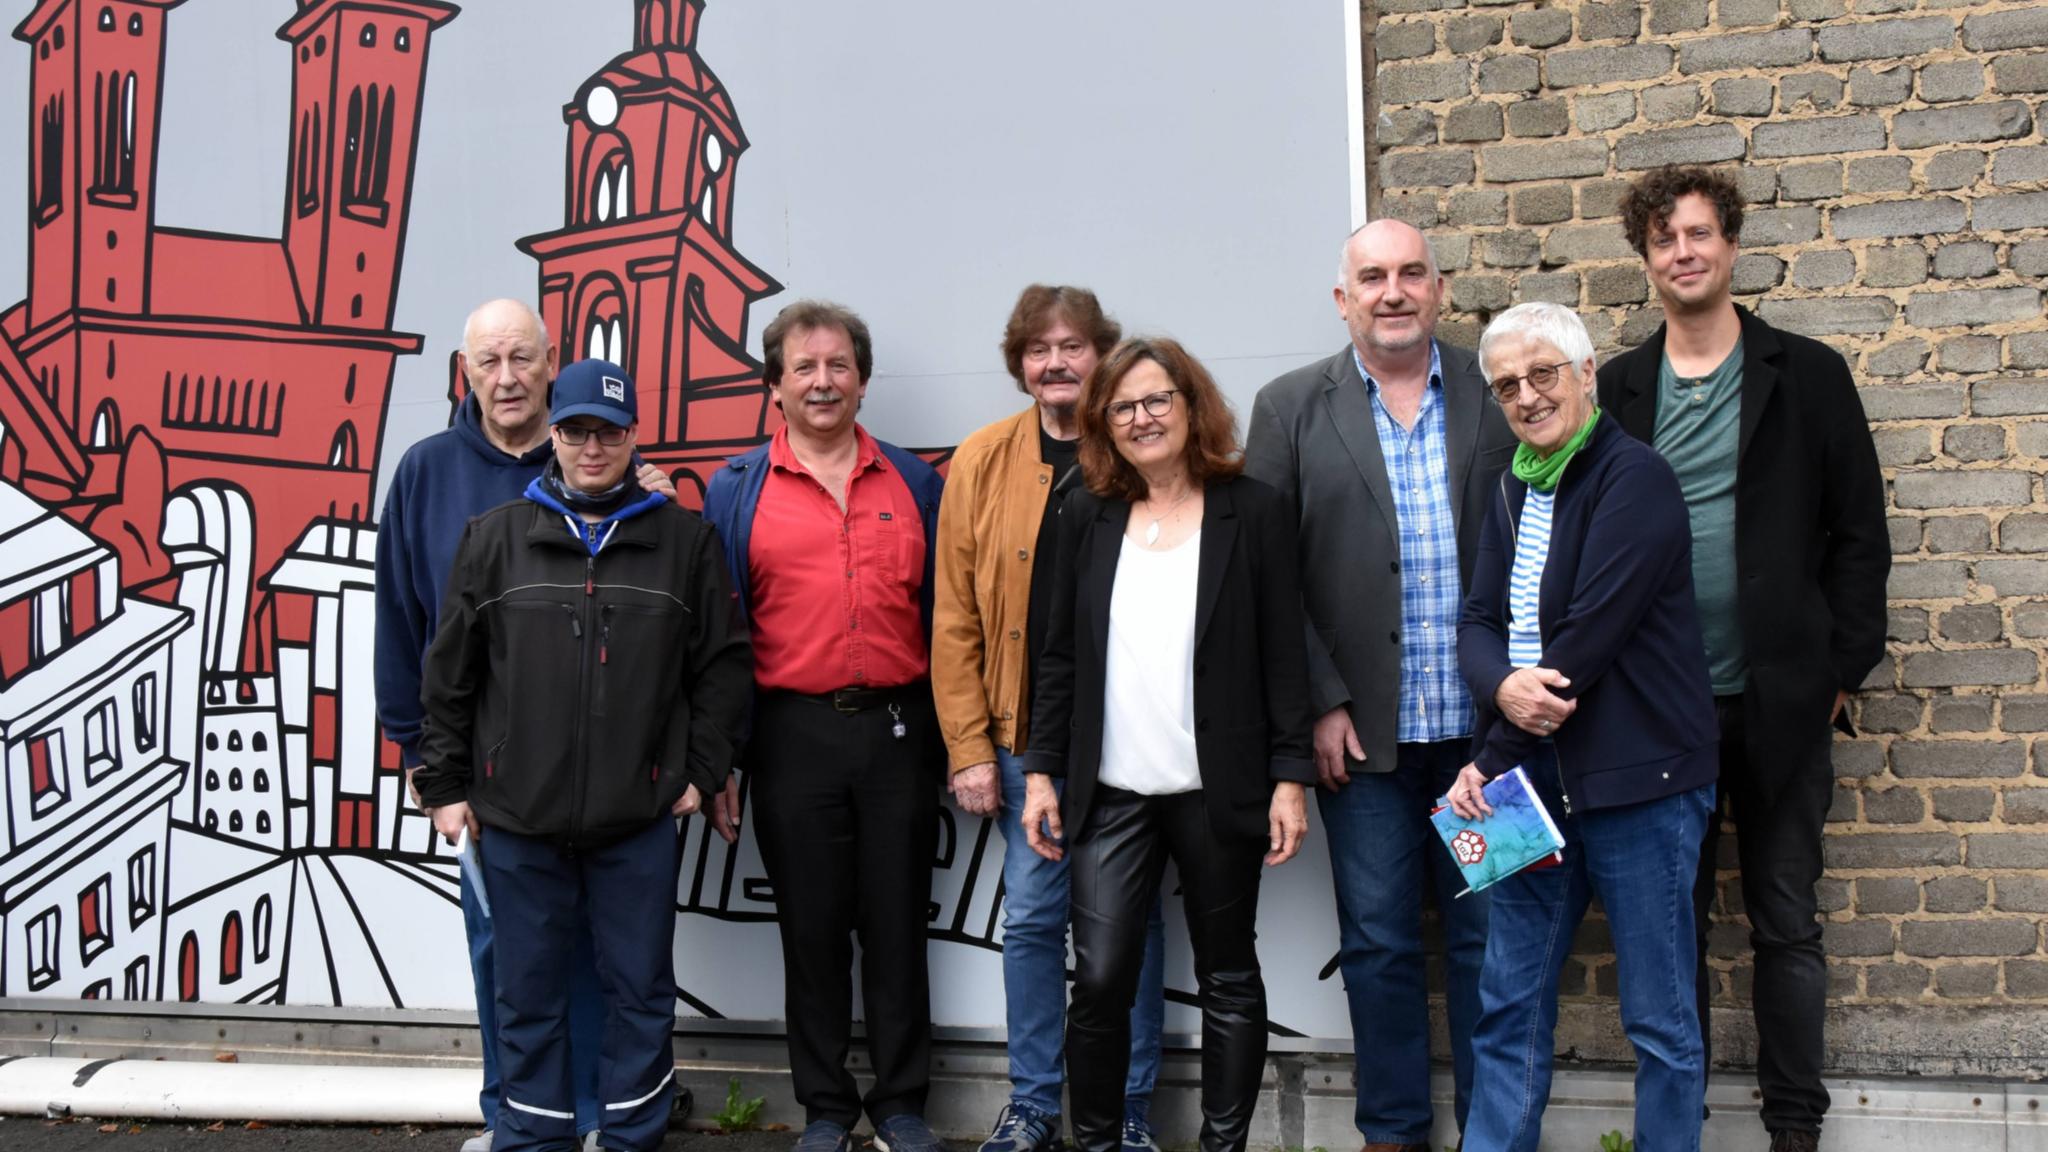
{"type": "Point", "coordinates": [1640, 861]}
{"type": "Point", "coordinates": [1383, 851]}
{"type": "Point", "coordinates": [1035, 892]}
{"type": "Point", "coordinates": [586, 1013]}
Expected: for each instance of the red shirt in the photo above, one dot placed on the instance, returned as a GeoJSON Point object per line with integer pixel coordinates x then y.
{"type": "Point", "coordinates": [833, 593]}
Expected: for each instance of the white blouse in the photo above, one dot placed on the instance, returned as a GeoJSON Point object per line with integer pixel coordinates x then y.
{"type": "Point", "coordinates": [1148, 717]}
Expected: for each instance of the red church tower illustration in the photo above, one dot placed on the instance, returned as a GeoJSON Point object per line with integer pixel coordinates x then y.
{"type": "Point", "coordinates": [260, 366]}
{"type": "Point", "coordinates": [643, 272]}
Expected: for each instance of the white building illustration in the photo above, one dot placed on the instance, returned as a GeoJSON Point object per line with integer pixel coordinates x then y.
{"type": "Point", "coordinates": [89, 691]}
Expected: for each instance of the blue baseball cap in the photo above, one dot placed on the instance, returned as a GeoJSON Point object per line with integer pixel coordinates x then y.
{"type": "Point", "coordinates": [594, 388]}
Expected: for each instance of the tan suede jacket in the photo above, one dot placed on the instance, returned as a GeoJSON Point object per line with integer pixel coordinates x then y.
{"type": "Point", "coordinates": [988, 530]}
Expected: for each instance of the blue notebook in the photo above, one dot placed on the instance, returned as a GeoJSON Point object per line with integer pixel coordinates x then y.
{"type": "Point", "coordinates": [1519, 834]}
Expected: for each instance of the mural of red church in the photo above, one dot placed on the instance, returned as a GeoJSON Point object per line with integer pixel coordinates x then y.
{"type": "Point", "coordinates": [198, 804]}
{"type": "Point", "coordinates": [209, 409]}
{"type": "Point", "coordinates": [642, 271]}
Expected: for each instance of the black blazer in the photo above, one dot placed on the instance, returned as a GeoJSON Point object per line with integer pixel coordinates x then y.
{"type": "Point", "coordinates": [1251, 682]}
{"type": "Point", "coordinates": [1811, 550]}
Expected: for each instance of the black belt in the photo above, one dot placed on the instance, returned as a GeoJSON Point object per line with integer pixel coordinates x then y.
{"type": "Point", "coordinates": [849, 701]}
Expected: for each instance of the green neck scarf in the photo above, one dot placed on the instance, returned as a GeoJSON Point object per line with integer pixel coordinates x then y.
{"type": "Point", "coordinates": [1542, 472]}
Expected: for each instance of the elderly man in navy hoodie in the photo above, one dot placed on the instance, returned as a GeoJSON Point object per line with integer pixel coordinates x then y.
{"type": "Point", "coordinates": [497, 444]}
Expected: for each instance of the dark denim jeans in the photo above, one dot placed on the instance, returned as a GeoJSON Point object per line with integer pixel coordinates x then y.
{"type": "Point", "coordinates": [1639, 860]}
{"type": "Point", "coordinates": [1035, 894]}
{"type": "Point", "coordinates": [1383, 852]}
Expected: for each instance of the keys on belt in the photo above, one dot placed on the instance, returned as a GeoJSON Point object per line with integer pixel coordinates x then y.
{"type": "Point", "coordinates": [852, 701]}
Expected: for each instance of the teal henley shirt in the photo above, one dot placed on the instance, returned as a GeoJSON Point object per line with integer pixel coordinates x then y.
{"type": "Point", "coordinates": [1698, 432]}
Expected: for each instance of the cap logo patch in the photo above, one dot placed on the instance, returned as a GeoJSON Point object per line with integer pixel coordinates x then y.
{"type": "Point", "coordinates": [614, 389]}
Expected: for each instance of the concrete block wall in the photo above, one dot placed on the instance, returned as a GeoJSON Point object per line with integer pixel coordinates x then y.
{"type": "Point", "coordinates": [1894, 156]}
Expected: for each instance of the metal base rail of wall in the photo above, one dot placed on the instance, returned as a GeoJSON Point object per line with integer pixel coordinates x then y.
{"type": "Point", "coordinates": [329, 1066]}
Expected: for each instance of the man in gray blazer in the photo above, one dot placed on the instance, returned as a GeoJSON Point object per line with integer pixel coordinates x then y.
{"type": "Point", "coordinates": [1388, 451]}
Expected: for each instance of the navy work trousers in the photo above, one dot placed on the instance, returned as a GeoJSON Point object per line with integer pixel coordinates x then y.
{"type": "Point", "coordinates": [542, 895]}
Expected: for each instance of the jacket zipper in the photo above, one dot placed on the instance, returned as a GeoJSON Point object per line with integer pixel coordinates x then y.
{"type": "Point", "coordinates": [1558, 758]}
{"type": "Point", "coordinates": [579, 769]}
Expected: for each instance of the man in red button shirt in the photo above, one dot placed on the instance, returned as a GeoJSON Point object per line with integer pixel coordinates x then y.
{"type": "Point", "coordinates": [828, 534]}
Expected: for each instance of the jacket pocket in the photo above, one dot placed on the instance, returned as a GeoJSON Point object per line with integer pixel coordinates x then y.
{"type": "Point", "coordinates": [637, 677]}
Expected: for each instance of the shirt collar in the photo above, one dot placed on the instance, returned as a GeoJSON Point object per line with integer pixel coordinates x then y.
{"type": "Point", "coordinates": [1436, 368]}
{"type": "Point", "coordinates": [781, 455]}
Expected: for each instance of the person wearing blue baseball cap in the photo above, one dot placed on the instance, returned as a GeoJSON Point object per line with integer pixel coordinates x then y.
{"type": "Point", "coordinates": [497, 441]}
{"type": "Point", "coordinates": [588, 685]}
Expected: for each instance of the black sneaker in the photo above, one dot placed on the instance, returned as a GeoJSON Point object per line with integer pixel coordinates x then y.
{"type": "Point", "coordinates": [1795, 1140]}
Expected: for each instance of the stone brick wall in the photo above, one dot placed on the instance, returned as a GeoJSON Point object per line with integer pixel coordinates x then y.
{"type": "Point", "coordinates": [1894, 154]}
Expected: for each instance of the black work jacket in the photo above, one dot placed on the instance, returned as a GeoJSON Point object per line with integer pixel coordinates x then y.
{"type": "Point", "coordinates": [575, 696]}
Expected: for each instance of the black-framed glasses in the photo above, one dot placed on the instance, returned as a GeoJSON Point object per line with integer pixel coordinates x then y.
{"type": "Point", "coordinates": [1541, 377]}
{"type": "Point", "coordinates": [576, 435]}
{"type": "Point", "coordinates": [1158, 404]}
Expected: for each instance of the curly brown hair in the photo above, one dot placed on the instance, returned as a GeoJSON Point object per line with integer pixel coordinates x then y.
{"type": "Point", "coordinates": [1652, 196]}
{"type": "Point", "coordinates": [1042, 305]}
{"type": "Point", "coordinates": [1212, 448]}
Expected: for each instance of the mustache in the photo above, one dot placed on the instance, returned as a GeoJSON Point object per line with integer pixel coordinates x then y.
{"type": "Point", "coordinates": [1059, 376]}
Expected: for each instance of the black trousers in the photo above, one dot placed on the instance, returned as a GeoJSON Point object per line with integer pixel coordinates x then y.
{"type": "Point", "coordinates": [1778, 847]}
{"type": "Point", "coordinates": [848, 815]}
{"type": "Point", "coordinates": [1117, 862]}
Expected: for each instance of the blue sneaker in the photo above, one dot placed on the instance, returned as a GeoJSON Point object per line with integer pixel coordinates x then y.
{"type": "Point", "coordinates": [824, 1136]}
{"type": "Point", "coordinates": [1022, 1128]}
{"type": "Point", "coordinates": [1138, 1136]}
{"type": "Point", "coordinates": [905, 1133]}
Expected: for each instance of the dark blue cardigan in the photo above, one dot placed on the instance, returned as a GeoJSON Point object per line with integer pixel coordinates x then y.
{"type": "Point", "coordinates": [1616, 615]}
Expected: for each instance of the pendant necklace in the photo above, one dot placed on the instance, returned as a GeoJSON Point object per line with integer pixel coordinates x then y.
{"type": "Point", "coordinates": [1152, 532]}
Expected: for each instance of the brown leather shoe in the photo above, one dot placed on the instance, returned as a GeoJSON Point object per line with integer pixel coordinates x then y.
{"type": "Point", "coordinates": [1795, 1140]}
{"type": "Point", "coordinates": [1379, 1147]}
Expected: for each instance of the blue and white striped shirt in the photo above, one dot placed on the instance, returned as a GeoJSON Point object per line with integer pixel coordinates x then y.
{"type": "Point", "coordinates": [1525, 579]}
{"type": "Point", "coordinates": [1435, 704]}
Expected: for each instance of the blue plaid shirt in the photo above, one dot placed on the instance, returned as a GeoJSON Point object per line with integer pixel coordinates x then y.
{"type": "Point", "coordinates": [1435, 704]}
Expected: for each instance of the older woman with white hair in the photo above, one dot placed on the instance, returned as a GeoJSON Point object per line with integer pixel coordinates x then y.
{"type": "Point", "coordinates": [1583, 650]}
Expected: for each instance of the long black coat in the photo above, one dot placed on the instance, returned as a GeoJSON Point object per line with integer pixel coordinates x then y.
{"type": "Point", "coordinates": [1811, 550]}
{"type": "Point", "coordinates": [1251, 675]}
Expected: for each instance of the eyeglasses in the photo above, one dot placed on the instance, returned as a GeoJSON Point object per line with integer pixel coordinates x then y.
{"type": "Point", "coordinates": [576, 435]}
{"type": "Point", "coordinates": [1158, 404]}
{"type": "Point", "coordinates": [1541, 377]}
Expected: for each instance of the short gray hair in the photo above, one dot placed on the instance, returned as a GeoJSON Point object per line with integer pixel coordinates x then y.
{"type": "Point", "coordinates": [1554, 324]}
{"type": "Point", "coordinates": [498, 308]}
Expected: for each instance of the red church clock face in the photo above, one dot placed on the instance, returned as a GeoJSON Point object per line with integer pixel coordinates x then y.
{"type": "Point", "coordinates": [601, 106]}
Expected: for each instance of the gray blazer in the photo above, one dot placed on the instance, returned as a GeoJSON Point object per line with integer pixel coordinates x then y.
{"type": "Point", "coordinates": [1312, 437]}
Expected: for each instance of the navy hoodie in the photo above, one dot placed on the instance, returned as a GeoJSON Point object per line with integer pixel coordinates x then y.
{"type": "Point", "coordinates": [440, 483]}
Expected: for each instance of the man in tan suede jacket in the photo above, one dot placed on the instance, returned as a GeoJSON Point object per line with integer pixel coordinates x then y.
{"type": "Point", "coordinates": [990, 606]}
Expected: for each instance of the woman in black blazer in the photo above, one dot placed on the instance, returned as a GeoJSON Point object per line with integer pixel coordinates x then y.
{"type": "Point", "coordinates": [1172, 700]}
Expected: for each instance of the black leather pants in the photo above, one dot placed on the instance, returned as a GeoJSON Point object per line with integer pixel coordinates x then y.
{"type": "Point", "coordinates": [1117, 861]}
